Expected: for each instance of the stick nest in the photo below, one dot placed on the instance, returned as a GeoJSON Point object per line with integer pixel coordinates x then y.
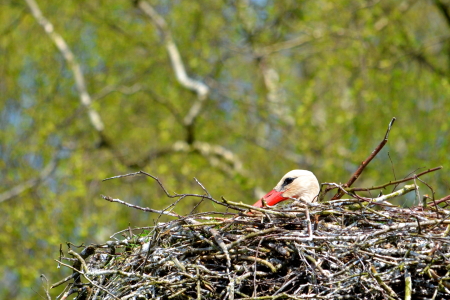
{"type": "Point", "coordinates": [357, 248]}
{"type": "Point", "coordinates": [342, 249]}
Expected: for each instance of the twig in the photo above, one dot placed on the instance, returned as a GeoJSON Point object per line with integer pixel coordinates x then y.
{"type": "Point", "coordinates": [203, 188]}
{"type": "Point", "coordinates": [46, 286]}
{"type": "Point", "coordinates": [266, 211]}
{"type": "Point", "coordinates": [107, 198]}
{"type": "Point", "coordinates": [360, 189]}
{"type": "Point", "coordinates": [88, 279]}
{"type": "Point", "coordinates": [435, 203]}
{"type": "Point", "coordinates": [80, 259]}
{"type": "Point", "coordinates": [392, 166]}
{"type": "Point", "coordinates": [260, 261]}
{"type": "Point", "coordinates": [252, 235]}
{"type": "Point", "coordinates": [406, 189]}
{"type": "Point", "coordinates": [146, 174]}
{"type": "Point", "coordinates": [364, 164]}
{"type": "Point", "coordinates": [64, 280]}
{"type": "Point", "coordinates": [380, 281]}
{"type": "Point", "coordinates": [408, 285]}
{"type": "Point", "coordinates": [432, 195]}
{"type": "Point", "coordinates": [166, 192]}
{"type": "Point", "coordinates": [221, 244]}
{"type": "Point", "coordinates": [255, 268]}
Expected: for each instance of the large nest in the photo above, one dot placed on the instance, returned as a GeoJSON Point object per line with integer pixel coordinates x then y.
{"type": "Point", "coordinates": [353, 248]}
{"type": "Point", "coordinates": [340, 249]}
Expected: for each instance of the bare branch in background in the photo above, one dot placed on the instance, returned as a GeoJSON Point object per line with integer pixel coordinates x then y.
{"type": "Point", "coordinates": [197, 86]}
{"type": "Point", "coordinates": [68, 55]}
{"type": "Point", "coordinates": [276, 99]}
{"type": "Point", "coordinates": [24, 186]}
{"type": "Point", "coordinates": [216, 155]}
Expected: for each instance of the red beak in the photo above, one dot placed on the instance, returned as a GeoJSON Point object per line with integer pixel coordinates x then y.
{"type": "Point", "coordinates": [272, 198]}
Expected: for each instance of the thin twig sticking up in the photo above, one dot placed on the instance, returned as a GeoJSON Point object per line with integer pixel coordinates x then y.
{"type": "Point", "coordinates": [364, 164]}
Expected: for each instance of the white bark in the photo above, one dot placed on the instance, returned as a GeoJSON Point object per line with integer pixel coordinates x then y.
{"type": "Point", "coordinates": [183, 78]}
{"type": "Point", "coordinates": [62, 46]}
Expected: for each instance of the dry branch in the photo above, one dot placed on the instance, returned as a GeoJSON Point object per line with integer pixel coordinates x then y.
{"type": "Point", "coordinates": [444, 199]}
{"type": "Point", "coordinates": [378, 187]}
{"type": "Point", "coordinates": [364, 164]}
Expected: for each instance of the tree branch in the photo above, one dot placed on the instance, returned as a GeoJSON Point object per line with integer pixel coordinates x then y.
{"type": "Point", "coordinates": [197, 86]}
{"type": "Point", "coordinates": [364, 164]}
{"type": "Point", "coordinates": [276, 99]}
{"type": "Point", "coordinates": [68, 55]}
{"type": "Point", "coordinates": [393, 182]}
{"type": "Point", "coordinates": [217, 155]}
{"type": "Point", "coordinates": [435, 203]}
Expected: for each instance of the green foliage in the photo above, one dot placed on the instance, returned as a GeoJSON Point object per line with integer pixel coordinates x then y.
{"type": "Point", "coordinates": [337, 72]}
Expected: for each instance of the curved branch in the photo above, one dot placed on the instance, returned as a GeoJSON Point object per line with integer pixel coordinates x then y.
{"type": "Point", "coordinates": [68, 55]}
{"type": "Point", "coordinates": [197, 86]}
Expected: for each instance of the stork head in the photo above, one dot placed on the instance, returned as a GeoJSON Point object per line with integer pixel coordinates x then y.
{"type": "Point", "coordinates": [300, 184]}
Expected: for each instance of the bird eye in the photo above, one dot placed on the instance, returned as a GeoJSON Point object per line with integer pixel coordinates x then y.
{"type": "Point", "coordinates": [288, 181]}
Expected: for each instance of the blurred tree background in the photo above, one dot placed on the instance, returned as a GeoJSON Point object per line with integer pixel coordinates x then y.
{"type": "Point", "coordinates": [234, 93]}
